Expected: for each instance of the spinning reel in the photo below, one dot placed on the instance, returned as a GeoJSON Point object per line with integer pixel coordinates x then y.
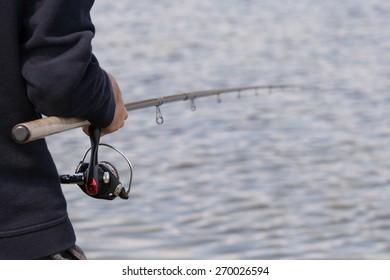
{"type": "Point", "coordinates": [98, 179]}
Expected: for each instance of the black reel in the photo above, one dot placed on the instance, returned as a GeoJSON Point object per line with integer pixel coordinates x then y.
{"type": "Point", "coordinates": [98, 179]}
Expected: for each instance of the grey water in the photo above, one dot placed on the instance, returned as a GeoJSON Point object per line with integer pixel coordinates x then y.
{"type": "Point", "coordinates": [293, 174]}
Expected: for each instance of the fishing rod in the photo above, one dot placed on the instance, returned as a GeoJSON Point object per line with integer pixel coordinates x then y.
{"type": "Point", "coordinates": [100, 179]}
{"type": "Point", "coordinates": [38, 129]}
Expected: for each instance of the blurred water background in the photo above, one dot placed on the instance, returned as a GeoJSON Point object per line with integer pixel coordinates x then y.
{"type": "Point", "coordinates": [289, 175]}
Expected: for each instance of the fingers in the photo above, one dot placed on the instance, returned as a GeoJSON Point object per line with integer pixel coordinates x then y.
{"type": "Point", "coordinates": [85, 129]}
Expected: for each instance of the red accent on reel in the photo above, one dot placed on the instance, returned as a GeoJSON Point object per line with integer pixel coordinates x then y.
{"type": "Point", "coordinates": [92, 187]}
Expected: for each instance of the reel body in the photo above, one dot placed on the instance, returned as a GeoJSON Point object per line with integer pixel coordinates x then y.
{"type": "Point", "coordinates": [98, 179]}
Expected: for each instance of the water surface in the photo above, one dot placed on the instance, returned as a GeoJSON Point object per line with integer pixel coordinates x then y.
{"type": "Point", "coordinates": [284, 175]}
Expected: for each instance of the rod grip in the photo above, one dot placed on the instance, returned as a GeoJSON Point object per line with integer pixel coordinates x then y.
{"type": "Point", "coordinates": [37, 129]}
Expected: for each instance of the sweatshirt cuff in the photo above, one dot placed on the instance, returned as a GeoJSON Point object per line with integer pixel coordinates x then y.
{"type": "Point", "coordinates": [103, 116]}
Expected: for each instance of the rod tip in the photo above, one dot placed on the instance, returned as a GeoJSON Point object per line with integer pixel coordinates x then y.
{"type": "Point", "coordinates": [20, 134]}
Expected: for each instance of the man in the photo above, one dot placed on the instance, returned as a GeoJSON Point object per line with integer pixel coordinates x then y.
{"type": "Point", "coordinates": [46, 67]}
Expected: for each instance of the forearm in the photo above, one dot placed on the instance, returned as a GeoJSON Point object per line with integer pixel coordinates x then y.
{"type": "Point", "coordinates": [63, 77]}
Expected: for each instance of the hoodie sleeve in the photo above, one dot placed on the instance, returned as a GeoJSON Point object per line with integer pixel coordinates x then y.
{"type": "Point", "coordinates": [62, 75]}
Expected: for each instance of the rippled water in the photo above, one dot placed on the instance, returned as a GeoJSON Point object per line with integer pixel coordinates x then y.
{"type": "Point", "coordinates": [288, 175]}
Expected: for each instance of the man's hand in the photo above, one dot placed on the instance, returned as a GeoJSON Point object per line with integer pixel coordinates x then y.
{"type": "Point", "coordinates": [120, 110]}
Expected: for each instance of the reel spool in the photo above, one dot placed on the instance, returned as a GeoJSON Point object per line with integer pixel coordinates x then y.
{"type": "Point", "coordinates": [99, 179]}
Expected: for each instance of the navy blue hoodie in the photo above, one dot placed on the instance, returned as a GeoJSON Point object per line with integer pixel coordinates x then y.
{"type": "Point", "coordinates": [46, 67]}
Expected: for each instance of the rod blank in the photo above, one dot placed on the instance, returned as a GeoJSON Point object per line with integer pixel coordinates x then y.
{"type": "Point", "coordinates": [37, 129]}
